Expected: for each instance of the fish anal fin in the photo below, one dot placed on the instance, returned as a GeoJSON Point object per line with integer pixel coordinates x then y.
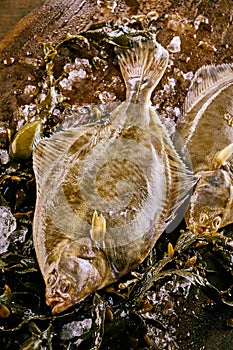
{"type": "Point", "coordinates": [98, 229]}
{"type": "Point", "coordinates": [222, 156]}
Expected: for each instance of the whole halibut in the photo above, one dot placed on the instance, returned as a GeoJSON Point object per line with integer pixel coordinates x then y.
{"type": "Point", "coordinates": [106, 189]}
{"type": "Point", "coordinates": [206, 132]}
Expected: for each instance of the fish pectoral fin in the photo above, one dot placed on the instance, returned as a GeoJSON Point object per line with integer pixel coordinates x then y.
{"type": "Point", "coordinates": [98, 229]}
{"type": "Point", "coordinates": [222, 156]}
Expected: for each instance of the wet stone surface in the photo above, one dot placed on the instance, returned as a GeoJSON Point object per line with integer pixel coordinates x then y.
{"type": "Point", "coordinates": [12, 12]}
{"type": "Point", "coordinates": [173, 313]}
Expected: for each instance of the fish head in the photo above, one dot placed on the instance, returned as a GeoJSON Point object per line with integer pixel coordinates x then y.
{"type": "Point", "coordinates": [209, 203]}
{"type": "Point", "coordinates": [79, 271]}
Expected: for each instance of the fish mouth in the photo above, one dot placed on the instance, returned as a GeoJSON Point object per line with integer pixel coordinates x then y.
{"type": "Point", "coordinates": [59, 303]}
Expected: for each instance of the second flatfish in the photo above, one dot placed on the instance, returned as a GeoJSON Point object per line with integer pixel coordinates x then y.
{"type": "Point", "coordinates": [206, 131]}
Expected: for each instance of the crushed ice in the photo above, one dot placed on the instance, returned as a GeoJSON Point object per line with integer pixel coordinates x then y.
{"type": "Point", "coordinates": [7, 226]}
{"type": "Point", "coordinates": [174, 45]}
{"type": "Point", "coordinates": [4, 156]}
{"type": "Point", "coordinates": [75, 329]}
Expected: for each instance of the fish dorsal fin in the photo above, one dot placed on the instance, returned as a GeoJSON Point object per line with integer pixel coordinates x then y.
{"type": "Point", "coordinates": [142, 67]}
{"type": "Point", "coordinates": [207, 83]}
{"type": "Point", "coordinates": [49, 151]}
{"type": "Point", "coordinates": [91, 114]}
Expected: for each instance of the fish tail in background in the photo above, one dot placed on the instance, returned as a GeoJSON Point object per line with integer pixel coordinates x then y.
{"type": "Point", "coordinates": [208, 82]}
{"type": "Point", "coordinates": [142, 67]}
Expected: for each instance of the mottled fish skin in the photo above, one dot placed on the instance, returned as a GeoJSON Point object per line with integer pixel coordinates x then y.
{"type": "Point", "coordinates": [206, 134]}
{"type": "Point", "coordinates": [107, 189]}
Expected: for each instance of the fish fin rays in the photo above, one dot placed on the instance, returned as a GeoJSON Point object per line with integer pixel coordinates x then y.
{"type": "Point", "coordinates": [181, 182]}
{"type": "Point", "coordinates": [207, 83]}
{"type": "Point", "coordinates": [49, 150]}
{"type": "Point", "coordinates": [179, 175]}
{"type": "Point", "coordinates": [222, 156]}
{"type": "Point", "coordinates": [98, 229]}
{"type": "Point", "coordinates": [142, 65]}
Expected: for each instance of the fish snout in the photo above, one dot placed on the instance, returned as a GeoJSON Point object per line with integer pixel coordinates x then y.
{"type": "Point", "coordinates": [58, 298]}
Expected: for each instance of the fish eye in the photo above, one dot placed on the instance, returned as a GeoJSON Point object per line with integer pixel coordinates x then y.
{"type": "Point", "coordinates": [216, 222]}
{"type": "Point", "coordinates": [51, 280]}
{"type": "Point", "coordinates": [203, 218]}
{"type": "Point", "coordinates": [65, 286]}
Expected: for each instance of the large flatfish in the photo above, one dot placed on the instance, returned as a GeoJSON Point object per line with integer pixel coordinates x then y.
{"type": "Point", "coordinates": [107, 187]}
{"type": "Point", "coordinates": [206, 131]}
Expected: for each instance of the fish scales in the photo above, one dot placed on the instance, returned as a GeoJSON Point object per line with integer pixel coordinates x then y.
{"type": "Point", "coordinates": [205, 138]}
{"type": "Point", "coordinates": [107, 189]}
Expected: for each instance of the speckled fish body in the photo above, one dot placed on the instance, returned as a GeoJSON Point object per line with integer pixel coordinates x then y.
{"type": "Point", "coordinates": [206, 131]}
{"type": "Point", "coordinates": [106, 189]}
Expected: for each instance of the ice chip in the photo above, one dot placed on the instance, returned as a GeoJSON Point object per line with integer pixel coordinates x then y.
{"type": "Point", "coordinates": [4, 156]}
{"type": "Point", "coordinates": [7, 226]}
{"type": "Point", "coordinates": [18, 236]}
{"type": "Point", "coordinates": [76, 75]}
{"type": "Point", "coordinates": [175, 45]}
{"type": "Point", "coordinates": [75, 329]}
{"type": "Point", "coordinates": [65, 84]}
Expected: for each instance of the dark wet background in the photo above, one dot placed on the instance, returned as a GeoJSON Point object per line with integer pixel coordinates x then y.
{"type": "Point", "coordinates": [11, 11]}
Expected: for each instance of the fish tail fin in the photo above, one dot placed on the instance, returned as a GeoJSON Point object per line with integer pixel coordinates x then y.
{"type": "Point", "coordinates": [142, 67]}
{"type": "Point", "coordinates": [209, 81]}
